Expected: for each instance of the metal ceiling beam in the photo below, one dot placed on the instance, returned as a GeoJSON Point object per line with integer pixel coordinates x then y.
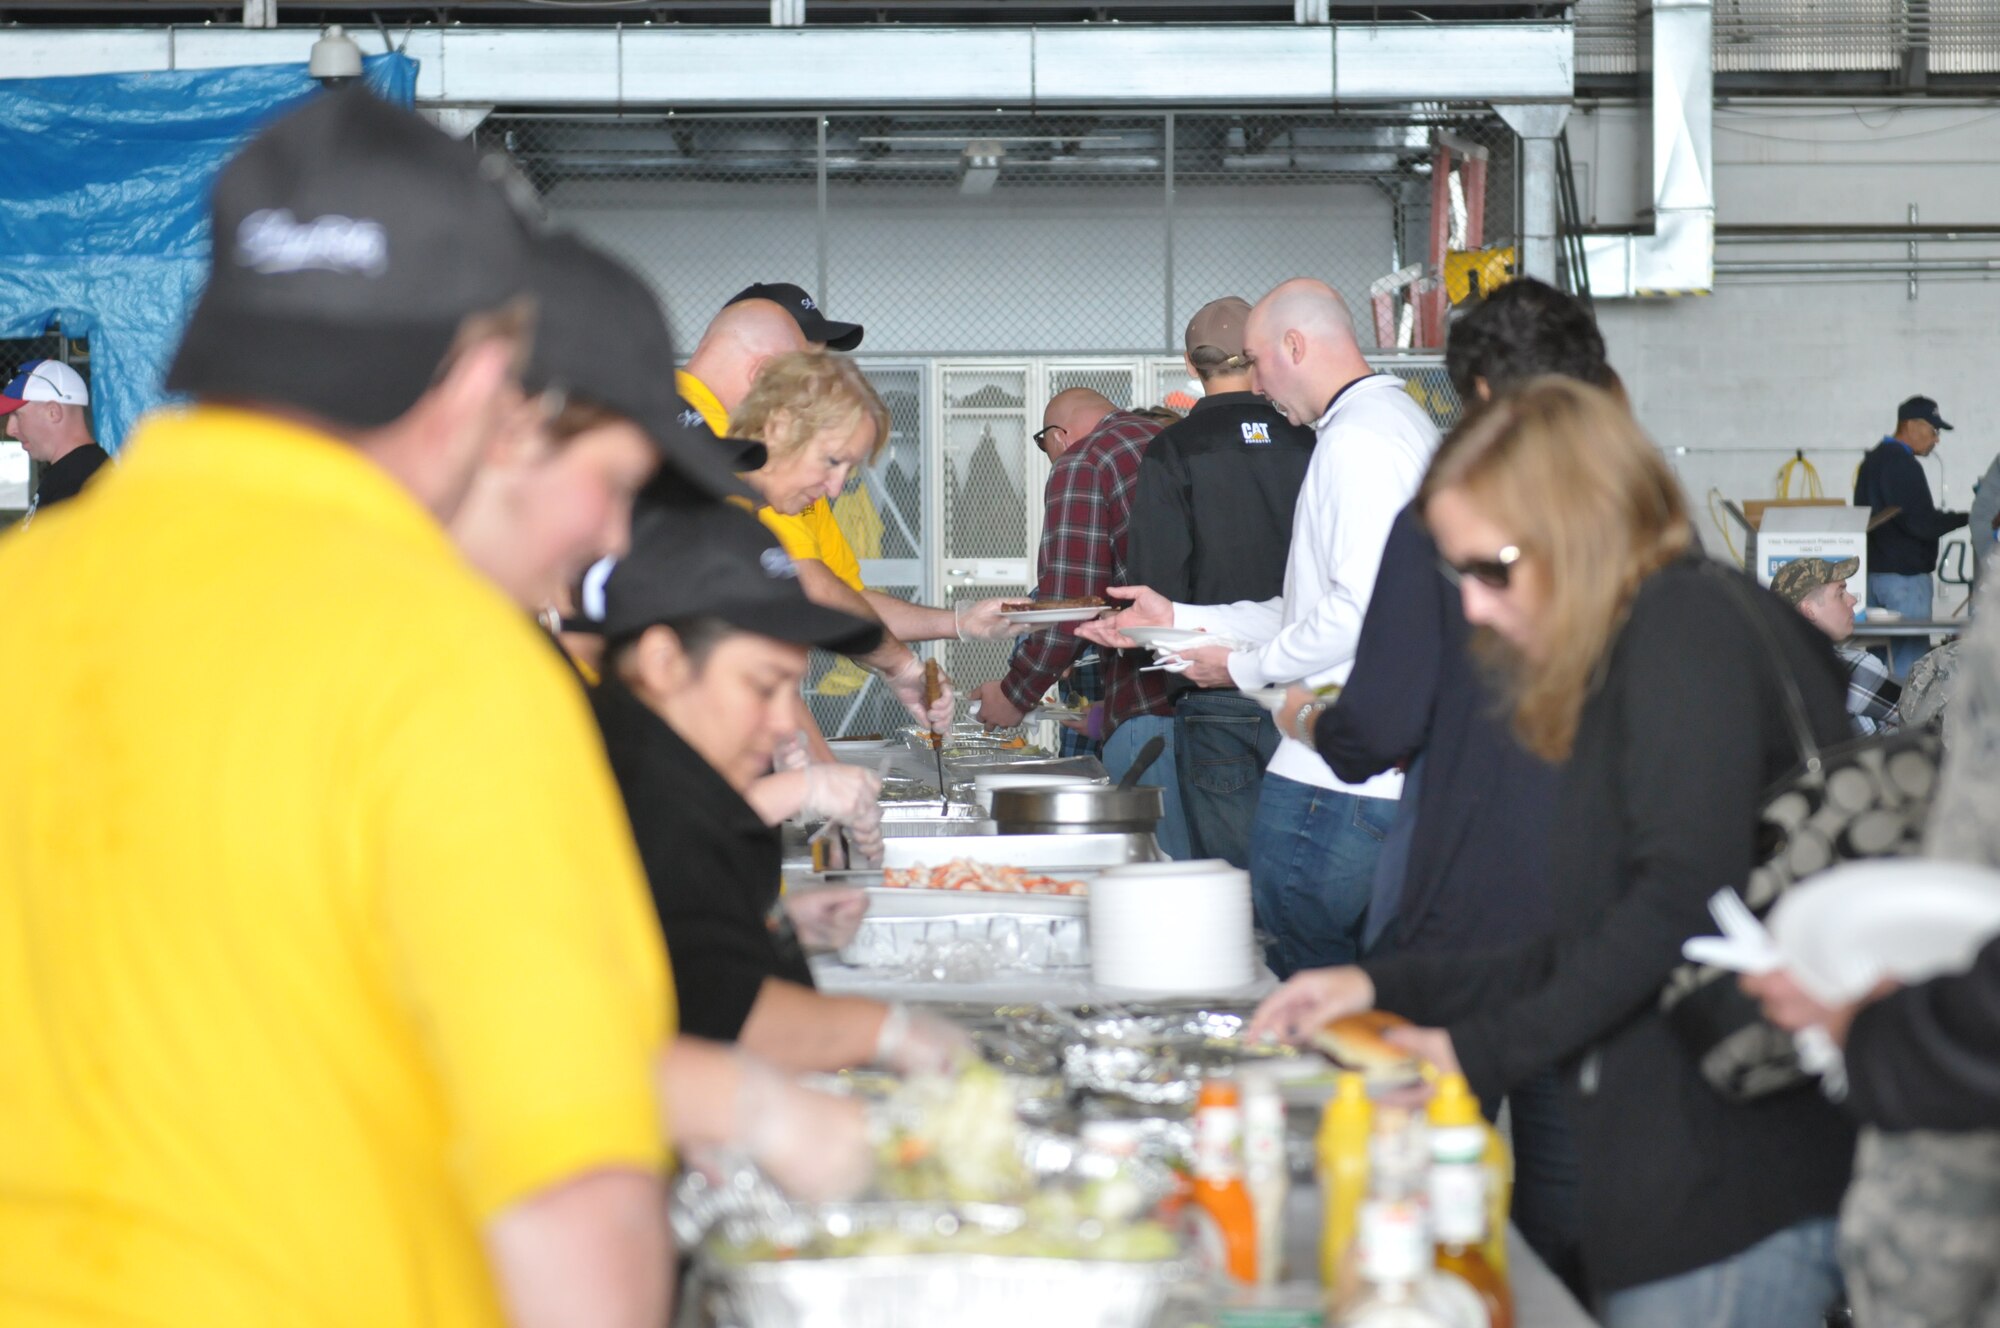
{"type": "Point", "coordinates": [1014, 12]}
{"type": "Point", "coordinates": [726, 68]}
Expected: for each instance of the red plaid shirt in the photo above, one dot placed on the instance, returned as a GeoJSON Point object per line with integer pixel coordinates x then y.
{"type": "Point", "coordinates": [1089, 509]}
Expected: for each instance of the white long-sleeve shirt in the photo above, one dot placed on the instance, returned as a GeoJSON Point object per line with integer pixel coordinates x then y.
{"type": "Point", "coordinates": [1374, 444]}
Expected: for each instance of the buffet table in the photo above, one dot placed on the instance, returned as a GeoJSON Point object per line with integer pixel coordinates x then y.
{"type": "Point", "coordinates": [903, 1295]}
{"type": "Point", "coordinates": [1015, 970]}
{"type": "Point", "coordinates": [1052, 987]}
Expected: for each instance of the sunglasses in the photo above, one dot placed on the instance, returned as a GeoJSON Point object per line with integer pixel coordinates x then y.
{"type": "Point", "coordinates": [1041, 436]}
{"type": "Point", "coordinates": [1496, 573]}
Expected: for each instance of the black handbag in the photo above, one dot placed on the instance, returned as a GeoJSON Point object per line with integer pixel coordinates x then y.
{"type": "Point", "coordinates": [1863, 798]}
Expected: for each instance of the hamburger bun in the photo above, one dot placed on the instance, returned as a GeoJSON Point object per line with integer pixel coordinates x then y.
{"type": "Point", "coordinates": [1356, 1042]}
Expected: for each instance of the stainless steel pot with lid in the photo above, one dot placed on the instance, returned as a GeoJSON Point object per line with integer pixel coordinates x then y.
{"type": "Point", "coordinates": [1077, 809]}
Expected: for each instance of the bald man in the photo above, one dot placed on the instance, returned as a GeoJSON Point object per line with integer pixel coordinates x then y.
{"type": "Point", "coordinates": [1096, 449]}
{"type": "Point", "coordinates": [745, 336]}
{"type": "Point", "coordinates": [1315, 838]}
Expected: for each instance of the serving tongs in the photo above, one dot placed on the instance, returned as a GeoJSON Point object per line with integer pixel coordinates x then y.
{"type": "Point", "coordinates": [933, 689]}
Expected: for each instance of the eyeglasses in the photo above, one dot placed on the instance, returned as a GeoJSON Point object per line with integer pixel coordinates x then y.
{"type": "Point", "coordinates": [1495, 573]}
{"type": "Point", "coordinates": [1041, 436]}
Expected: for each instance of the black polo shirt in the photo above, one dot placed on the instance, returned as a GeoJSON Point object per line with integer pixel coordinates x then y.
{"type": "Point", "coordinates": [1212, 509]}
{"type": "Point", "coordinates": [712, 865]}
{"type": "Point", "coordinates": [64, 478]}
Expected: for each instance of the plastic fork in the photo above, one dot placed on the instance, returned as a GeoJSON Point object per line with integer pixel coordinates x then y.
{"type": "Point", "coordinates": [1745, 945]}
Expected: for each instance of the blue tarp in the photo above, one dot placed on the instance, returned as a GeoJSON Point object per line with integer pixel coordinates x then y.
{"type": "Point", "coordinates": [104, 216]}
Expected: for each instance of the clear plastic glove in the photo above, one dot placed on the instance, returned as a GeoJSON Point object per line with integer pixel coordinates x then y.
{"type": "Point", "coordinates": [843, 793]}
{"type": "Point", "coordinates": [827, 919]}
{"type": "Point", "coordinates": [980, 620]}
{"type": "Point", "coordinates": [812, 1144]}
{"type": "Point", "coordinates": [793, 753]}
{"type": "Point", "coordinates": [912, 1042]}
{"type": "Point", "coordinates": [906, 680]}
{"type": "Point", "coordinates": [846, 795]}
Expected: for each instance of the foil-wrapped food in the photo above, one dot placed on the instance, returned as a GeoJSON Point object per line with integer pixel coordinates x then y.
{"type": "Point", "coordinates": [1155, 1059]}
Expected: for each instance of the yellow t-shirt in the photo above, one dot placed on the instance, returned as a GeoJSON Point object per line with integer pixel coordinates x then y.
{"type": "Point", "coordinates": [814, 533]}
{"type": "Point", "coordinates": [322, 934]}
{"type": "Point", "coordinates": [697, 394]}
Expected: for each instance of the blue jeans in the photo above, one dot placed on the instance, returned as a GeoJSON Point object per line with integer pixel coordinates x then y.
{"type": "Point", "coordinates": [1909, 595]}
{"type": "Point", "coordinates": [1312, 862]}
{"type": "Point", "coordinates": [1122, 747]}
{"type": "Point", "coordinates": [1786, 1280]}
{"type": "Point", "coordinates": [1222, 742]}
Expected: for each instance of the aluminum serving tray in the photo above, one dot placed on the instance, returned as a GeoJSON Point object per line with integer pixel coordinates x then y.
{"type": "Point", "coordinates": [933, 817]}
{"type": "Point", "coordinates": [926, 1290]}
{"type": "Point", "coordinates": [1016, 931]}
{"type": "Point", "coordinates": [1042, 852]}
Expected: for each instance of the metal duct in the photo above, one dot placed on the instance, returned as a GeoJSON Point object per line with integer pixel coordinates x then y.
{"type": "Point", "coordinates": [1678, 258]}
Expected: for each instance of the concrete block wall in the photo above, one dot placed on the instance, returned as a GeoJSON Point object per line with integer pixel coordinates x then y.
{"type": "Point", "coordinates": [1768, 364]}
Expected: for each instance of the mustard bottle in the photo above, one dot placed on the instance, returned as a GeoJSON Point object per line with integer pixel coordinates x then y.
{"type": "Point", "coordinates": [1453, 1106]}
{"type": "Point", "coordinates": [1344, 1129]}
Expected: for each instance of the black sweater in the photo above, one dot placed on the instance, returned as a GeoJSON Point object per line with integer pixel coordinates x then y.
{"type": "Point", "coordinates": [1478, 874]}
{"type": "Point", "coordinates": [712, 865]}
{"type": "Point", "coordinates": [1657, 809]}
{"type": "Point", "coordinates": [1907, 544]}
{"type": "Point", "coordinates": [1928, 1057]}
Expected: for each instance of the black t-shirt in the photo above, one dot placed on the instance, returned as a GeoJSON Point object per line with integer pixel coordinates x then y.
{"type": "Point", "coordinates": [1212, 507]}
{"type": "Point", "coordinates": [64, 478]}
{"type": "Point", "coordinates": [712, 866]}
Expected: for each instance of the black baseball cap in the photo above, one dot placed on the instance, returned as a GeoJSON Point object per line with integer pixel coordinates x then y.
{"type": "Point", "coordinates": [801, 306]}
{"type": "Point", "coordinates": [715, 560]}
{"type": "Point", "coordinates": [601, 337]}
{"type": "Point", "coordinates": [350, 240]}
{"type": "Point", "coordinates": [1921, 408]}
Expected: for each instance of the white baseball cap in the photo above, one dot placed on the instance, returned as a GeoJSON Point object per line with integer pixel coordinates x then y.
{"type": "Point", "coordinates": [44, 380]}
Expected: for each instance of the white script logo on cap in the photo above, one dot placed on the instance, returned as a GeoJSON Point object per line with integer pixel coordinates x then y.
{"type": "Point", "coordinates": [273, 241]}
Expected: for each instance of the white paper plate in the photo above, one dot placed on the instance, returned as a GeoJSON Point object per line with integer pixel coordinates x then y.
{"type": "Point", "coordinates": [1044, 616]}
{"type": "Point", "coordinates": [1193, 867]}
{"type": "Point", "coordinates": [1166, 640]}
{"type": "Point", "coordinates": [1907, 918]}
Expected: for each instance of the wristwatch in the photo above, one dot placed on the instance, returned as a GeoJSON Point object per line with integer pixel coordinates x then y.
{"type": "Point", "coordinates": [1301, 727]}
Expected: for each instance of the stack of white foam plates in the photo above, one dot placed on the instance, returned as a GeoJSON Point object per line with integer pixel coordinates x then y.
{"type": "Point", "coordinates": [1172, 928]}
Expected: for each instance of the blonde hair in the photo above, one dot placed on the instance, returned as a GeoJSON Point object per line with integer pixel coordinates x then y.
{"type": "Point", "coordinates": [801, 395]}
{"type": "Point", "coordinates": [1592, 504]}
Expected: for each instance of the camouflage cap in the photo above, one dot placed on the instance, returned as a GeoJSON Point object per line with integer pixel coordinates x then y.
{"type": "Point", "coordinates": [1800, 577]}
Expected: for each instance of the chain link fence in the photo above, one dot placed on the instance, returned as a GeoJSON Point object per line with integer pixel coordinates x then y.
{"type": "Point", "coordinates": [1004, 234]}
{"type": "Point", "coordinates": [997, 260]}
